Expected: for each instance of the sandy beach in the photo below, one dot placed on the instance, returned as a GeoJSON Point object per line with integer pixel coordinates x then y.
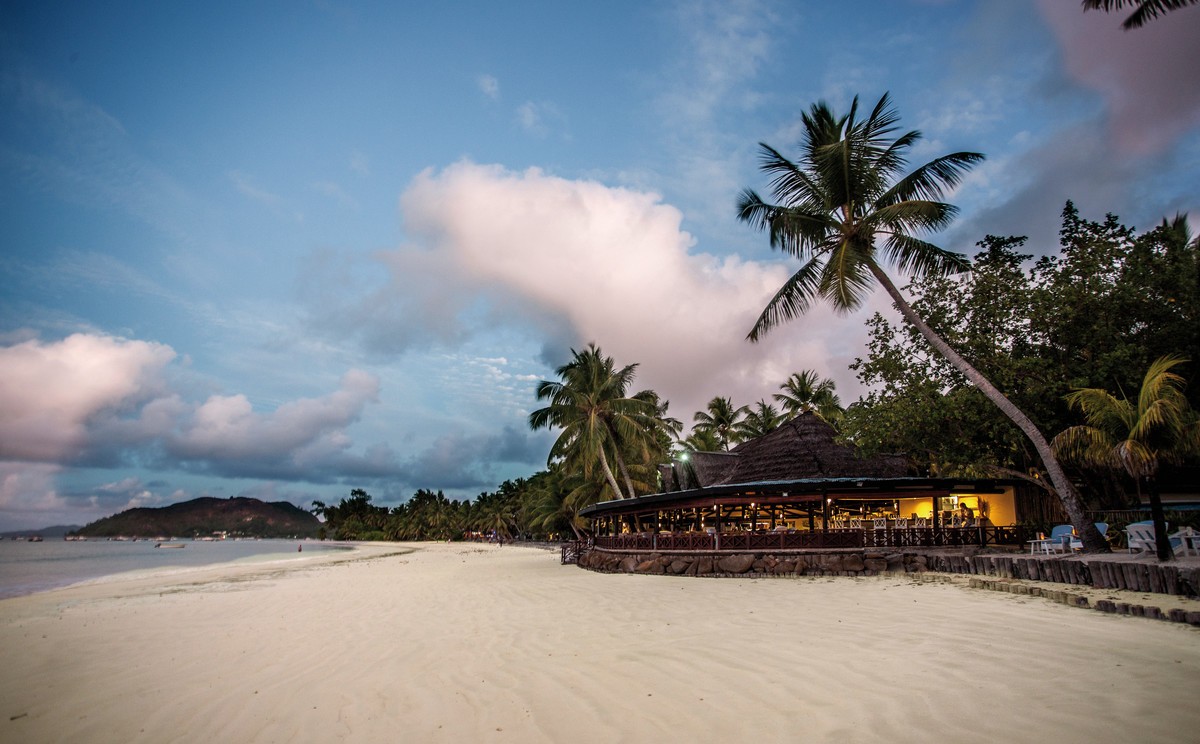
{"type": "Point", "coordinates": [470, 643]}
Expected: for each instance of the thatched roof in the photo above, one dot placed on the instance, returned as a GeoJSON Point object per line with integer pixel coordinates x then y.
{"type": "Point", "coordinates": [800, 449]}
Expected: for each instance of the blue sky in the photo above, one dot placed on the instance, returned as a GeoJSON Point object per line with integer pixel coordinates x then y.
{"type": "Point", "coordinates": [284, 250]}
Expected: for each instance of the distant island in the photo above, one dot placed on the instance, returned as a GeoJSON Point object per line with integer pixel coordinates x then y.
{"type": "Point", "coordinates": [207, 516]}
{"type": "Point", "coordinates": [57, 530]}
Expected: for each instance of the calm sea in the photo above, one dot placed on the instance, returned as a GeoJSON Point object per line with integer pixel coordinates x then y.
{"type": "Point", "coordinates": [28, 567]}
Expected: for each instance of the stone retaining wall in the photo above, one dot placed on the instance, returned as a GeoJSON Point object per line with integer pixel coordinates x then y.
{"type": "Point", "coordinates": [1165, 578]}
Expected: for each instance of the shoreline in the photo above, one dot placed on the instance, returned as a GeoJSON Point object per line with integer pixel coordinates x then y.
{"type": "Point", "coordinates": [469, 642]}
{"type": "Point", "coordinates": [116, 574]}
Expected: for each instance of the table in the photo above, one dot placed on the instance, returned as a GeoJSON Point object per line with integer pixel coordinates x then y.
{"type": "Point", "coordinates": [1041, 543]}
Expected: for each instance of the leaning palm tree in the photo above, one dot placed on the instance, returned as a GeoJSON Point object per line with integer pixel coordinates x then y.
{"type": "Point", "coordinates": [1144, 10]}
{"type": "Point", "coordinates": [806, 391]}
{"type": "Point", "coordinates": [720, 418]}
{"type": "Point", "coordinates": [596, 418]}
{"type": "Point", "coordinates": [847, 192]}
{"type": "Point", "coordinates": [1136, 436]}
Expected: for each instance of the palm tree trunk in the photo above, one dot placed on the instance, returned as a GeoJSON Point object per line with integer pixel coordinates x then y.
{"type": "Point", "coordinates": [1093, 541]}
{"type": "Point", "coordinates": [612, 435]}
{"type": "Point", "coordinates": [1162, 543]}
{"type": "Point", "coordinates": [608, 475]}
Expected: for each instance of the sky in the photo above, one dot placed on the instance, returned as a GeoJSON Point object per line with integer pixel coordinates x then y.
{"type": "Point", "coordinates": [285, 250]}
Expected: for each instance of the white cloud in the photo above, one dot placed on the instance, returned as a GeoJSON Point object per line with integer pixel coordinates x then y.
{"type": "Point", "coordinates": [490, 86]}
{"type": "Point", "coordinates": [50, 392]}
{"type": "Point", "coordinates": [578, 261]}
{"type": "Point", "coordinates": [90, 399]}
{"type": "Point", "coordinates": [540, 119]}
{"type": "Point", "coordinates": [226, 428]}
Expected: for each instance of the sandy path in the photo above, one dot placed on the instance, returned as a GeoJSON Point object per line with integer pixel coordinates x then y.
{"type": "Point", "coordinates": [455, 643]}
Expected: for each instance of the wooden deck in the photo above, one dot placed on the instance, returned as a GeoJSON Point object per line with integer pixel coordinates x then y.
{"type": "Point", "coordinates": [891, 538]}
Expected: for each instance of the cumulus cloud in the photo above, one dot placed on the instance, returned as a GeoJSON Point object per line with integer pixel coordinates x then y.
{"type": "Point", "coordinates": [99, 400]}
{"type": "Point", "coordinates": [1149, 78]}
{"type": "Point", "coordinates": [572, 262]}
{"type": "Point", "coordinates": [50, 392]}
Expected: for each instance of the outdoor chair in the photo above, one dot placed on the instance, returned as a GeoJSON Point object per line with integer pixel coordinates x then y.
{"type": "Point", "coordinates": [880, 523]}
{"type": "Point", "coordinates": [1059, 540]}
{"type": "Point", "coordinates": [1141, 539]}
{"type": "Point", "coordinates": [1189, 541]}
{"type": "Point", "coordinates": [856, 524]}
{"type": "Point", "coordinates": [901, 523]}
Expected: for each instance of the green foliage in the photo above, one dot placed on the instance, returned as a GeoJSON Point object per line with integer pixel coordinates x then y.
{"type": "Point", "coordinates": [605, 433]}
{"type": "Point", "coordinates": [847, 205]}
{"type": "Point", "coordinates": [1094, 316]}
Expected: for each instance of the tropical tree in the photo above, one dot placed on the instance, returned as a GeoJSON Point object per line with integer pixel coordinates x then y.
{"type": "Point", "coordinates": [1136, 436]}
{"type": "Point", "coordinates": [701, 440]}
{"type": "Point", "coordinates": [849, 191]}
{"type": "Point", "coordinates": [1144, 10]}
{"type": "Point", "coordinates": [721, 419]}
{"type": "Point", "coordinates": [762, 419]}
{"type": "Point", "coordinates": [597, 419]}
{"type": "Point", "coordinates": [806, 391]}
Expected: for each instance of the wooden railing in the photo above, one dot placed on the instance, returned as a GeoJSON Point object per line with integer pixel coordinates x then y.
{"type": "Point", "coordinates": [571, 551]}
{"type": "Point", "coordinates": [916, 537]}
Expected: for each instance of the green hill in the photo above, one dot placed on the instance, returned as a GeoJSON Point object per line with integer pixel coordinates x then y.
{"type": "Point", "coordinates": [238, 517]}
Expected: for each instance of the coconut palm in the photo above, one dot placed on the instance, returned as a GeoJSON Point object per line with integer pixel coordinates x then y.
{"type": "Point", "coordinates": [1144, 10]}
{"type": "Point", "coordinates": [1136, 436]}
{"type": "Point", "coordinates": [845, 209]}
{"type": "Point", "coordinates": [762, 419]}
{"type": "Point", "coordinates": [596, 417]}
{"type": "Point", "coordinates": [701, 440]}
{"type": "Point", "coordinates": [720, 418]}
{"type": "Point", "coordinates": [807, 391]}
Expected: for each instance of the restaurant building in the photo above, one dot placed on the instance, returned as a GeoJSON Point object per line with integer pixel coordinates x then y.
{"type": "Point", "coordinates": [798, 488]}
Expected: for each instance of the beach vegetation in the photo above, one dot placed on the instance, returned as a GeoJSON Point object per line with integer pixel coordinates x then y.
{"type": "Point", "coordinates": [1137, 436]}
{"type": "Point", "coordinates": [605, 433]}
{"type": "Point", "coordinates": [806, 391]}
{"type": "Point", "coordinates": [762, 419]}
{"type": "Point", "coordinates": [1096, 314]}
{"type": "Point", "coordinates": [720, 419]}
{"type": "Point", "coordinates": [849, 206]}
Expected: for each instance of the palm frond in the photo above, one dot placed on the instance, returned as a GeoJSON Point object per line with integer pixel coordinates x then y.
{"type": "Point", "coordinates": [791, 300]}
{"type": "Point", "coordinates": [930, 181]}
{"type": "Point", "coordinates": [919, 258]}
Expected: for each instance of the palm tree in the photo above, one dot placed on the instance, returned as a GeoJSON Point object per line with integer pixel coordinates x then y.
{"type": "Point", "coordinates": [720, 418]}
{"type": "Point", "coordinates": [1136, 436]}
{"type": "Point", "coordinates": [762, 419]}
{"type": "Point", "coordinates": [701, 440]}
{"type": "Point", "coordinates": [847, 192]}
{"type": "Point", "coordinates": [807, 391]}
{"type": "Point", "coordinates": [598, 420]}
{"type": "Point", "coordinates": [1146, 10]}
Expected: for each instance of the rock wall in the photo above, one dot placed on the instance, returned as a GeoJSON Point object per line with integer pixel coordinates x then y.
{"type": "Point", "coordinates": [1165, 578]}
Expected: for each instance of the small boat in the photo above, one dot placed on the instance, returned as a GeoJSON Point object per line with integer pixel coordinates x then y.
{"type": "Point", "coordinates": [169, 545]}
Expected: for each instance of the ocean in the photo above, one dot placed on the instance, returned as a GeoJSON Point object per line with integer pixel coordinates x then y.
{"type": "Point", "coordinates": [28, 567]}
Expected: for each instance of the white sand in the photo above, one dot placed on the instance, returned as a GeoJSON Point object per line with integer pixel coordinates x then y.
{"type": "Point", "coordinates": [465, 643]}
